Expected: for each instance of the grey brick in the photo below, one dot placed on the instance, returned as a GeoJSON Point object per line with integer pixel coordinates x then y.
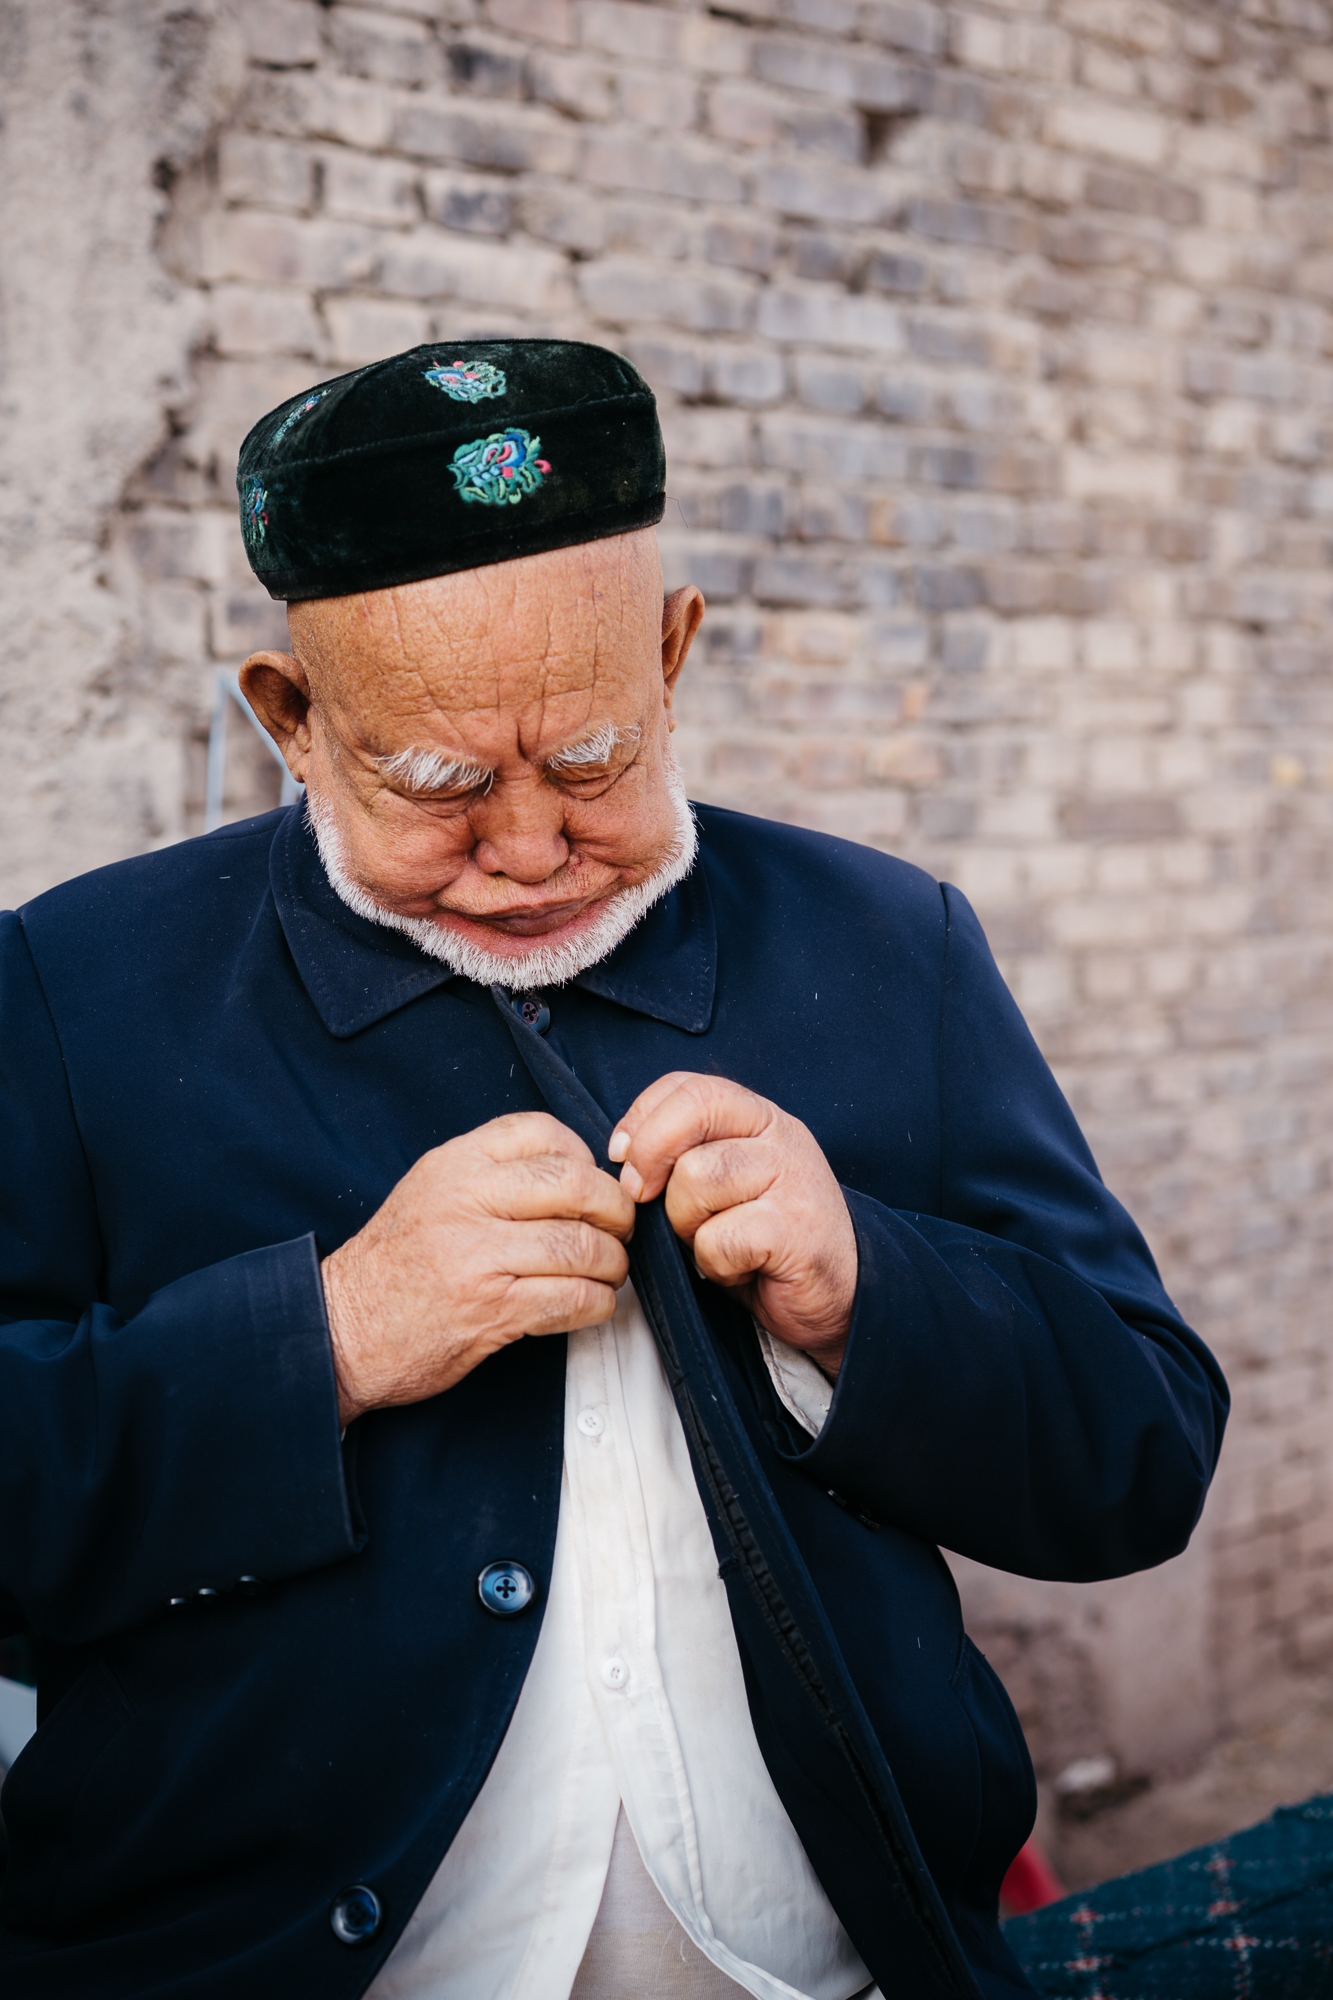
{"type": "Point", "coordinates": [1142, 194]}
{"type": "Point", "coordinates": [511, 138]}
{"type": "Point", "coordinates": [572, 83]}
{"type": "Point", "coordinates": [560, 213]}
{"type": "Point", "coordinates": [877, 83]}
{"type": "Point", "coordinates": [1088, 244]}
{"type": "Point", "coordinates": [364, 329]}
{"type": "Point", "coordinates": [983, 224]}
{"type": "Point", "coordinates": [369, 189]}
{"type": "Point", "coordinates": [623, 288]}
{"type": "Point", "coordinates": [949, 587]}
{"type": "Point", "coordinates": [965, 648]}
{"type": "Point", "coordinates": [825, 258]}
{"type": "Point", "coordinates": [664, 231]}
{"type": "Point", "coordinates": [896, 271]}
{"type": "Point", "coordinates": [745, 242]}
{"type": "Point", "coordinates": [430, 265]}
{"type": "Point", "coordinates": [824, 449]}
{"type": "Point", "coordinates": [383, 47]}
{"type": "Point", "coordinates": [249, 623]}
{"type": "Point", "coordinates": [951, 95]}
{"type": "Point", "coordinates": [920, 29]}
{"type": "Point", "coordinates": [831, 318]}
{"type": "Point", "coordinates": [754, 507]}
{"type": "Point", "coordinates": [749, 114]}
{"type": "Point", "coordinates": [962, 343]}
{"type": "Point", "coordinates": [320, 107]}
{"type": "Point", "coordinates": [485, 67]}
{"type": "Point", "coordinates": [832, 514]}
{"type": "Point", "coordinates": [466, 201]}
{"type": "Point", "coordinates": [826, 581]}
{"type": "Point", "coordinates": [687, 168]}
{"type": "Point", "coordinates": [826, 17]}
{"type": "Point", "coordinates": [747, 375]}
{"type": "Point", "coordinates": [945, 818]}
{"type": "Point", "coordinates": [269, 172]}
{"type": "Point", "coordinates": [679, 39]}
{"type": "Point", "coordinates": [537, 20]}
{"type": "Point", "coordinates": [284, 33]}
{"type": "Point", "coordinates": [1146, 817]}
{"type": "Point", "coordinates": [658, 99]}
{"type": "Point", "coordinates": [246, 319]}
{"type": "Point", "coordinates": [721, 574]}
{"type": "Point", "coordinates": [818, 193]}
{"type": "Point", "coordinates": [828, 384]}
{"type": "Point", "coordinates": [289, 250]}
{"type": "Point", "coordinates": [985, 530]}
{"type": "Point", "coordinates": [733, 636]}
{"type": "Point", "coordinates": [897, 645]}
{"type": "Point", "coordinates": [668, 362]}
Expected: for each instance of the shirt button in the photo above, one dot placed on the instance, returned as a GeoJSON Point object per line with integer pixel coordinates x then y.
{"type": "Point", "coordinates": [591, 1422]}
{"type": "Point", "coordinates": [614, 1672]}
{"type": "Point", "coordinates": [505, 1588]}
{"type": "Point", "coordinates": [356, 1915]}
{"type": "Point", "coordinates": [533, 1010]}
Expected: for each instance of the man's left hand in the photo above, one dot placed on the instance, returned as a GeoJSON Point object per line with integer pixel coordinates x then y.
{"type": "Point", "coordinates": [749, 1190]}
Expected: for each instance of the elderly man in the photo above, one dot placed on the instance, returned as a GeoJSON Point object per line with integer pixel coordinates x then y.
{"type": "Point", "coordinates": [508, 1282]}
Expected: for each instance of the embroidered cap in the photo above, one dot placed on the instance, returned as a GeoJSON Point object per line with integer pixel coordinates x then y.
{"type": "Point", "coordinates": [448, 457]}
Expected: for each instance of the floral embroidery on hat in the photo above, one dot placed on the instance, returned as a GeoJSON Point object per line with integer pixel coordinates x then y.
{"type": "Point", "coordinates": [499, 469]}
{"type": "Point", "coordinates": [293, 415]}
{"type": "Point", "coordinates": [467, 381]}
{"type": "Point", "coordinates": [254, 516]}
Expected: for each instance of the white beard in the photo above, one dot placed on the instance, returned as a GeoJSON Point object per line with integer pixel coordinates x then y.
{"type": "Point", "coordinates": [544, 965]}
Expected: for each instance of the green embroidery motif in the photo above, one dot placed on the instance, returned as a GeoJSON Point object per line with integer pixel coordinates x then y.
{"type": "Point", "coordinates": [498, 470]}
{"type": "Point", "coordinates": [467, 381]}
{"type": "Point", "coordinates": [293, 415]}
{"type": "Point", "coordinates": [254, 517]}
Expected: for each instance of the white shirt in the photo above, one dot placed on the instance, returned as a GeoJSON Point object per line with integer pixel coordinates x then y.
{"type": "Point", "coordinates": [635, 1699]}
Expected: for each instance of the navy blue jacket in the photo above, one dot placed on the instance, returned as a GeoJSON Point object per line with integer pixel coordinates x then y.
{"type": "Point", "coordinates": [265, 1671]}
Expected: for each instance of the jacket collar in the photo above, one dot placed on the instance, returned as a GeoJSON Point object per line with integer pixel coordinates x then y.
{"type": "Point", "coordinates": [357, 972]}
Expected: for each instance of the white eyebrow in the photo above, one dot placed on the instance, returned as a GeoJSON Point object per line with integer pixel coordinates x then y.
{"type": "Point", "coordinates": [432, 771]}
{"type": "Point", "coordinates": [594, 749]}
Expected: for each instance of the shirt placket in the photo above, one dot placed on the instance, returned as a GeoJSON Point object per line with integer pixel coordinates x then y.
{"type": "Point", "coordinates": [620, 1620]}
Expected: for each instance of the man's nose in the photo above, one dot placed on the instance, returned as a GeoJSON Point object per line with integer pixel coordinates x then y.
{"type": "Point", "coordinates": [520, 831]}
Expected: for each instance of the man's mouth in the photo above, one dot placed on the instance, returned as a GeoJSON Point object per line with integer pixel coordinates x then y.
{"type": "Point", "coordinates": [528, 920]}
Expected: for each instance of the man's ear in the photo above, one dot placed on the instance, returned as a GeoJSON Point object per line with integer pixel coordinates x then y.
{"type": "Point", "coordinates": [682, 615]}
{"type": "Point", "coordinates": [276, 688]}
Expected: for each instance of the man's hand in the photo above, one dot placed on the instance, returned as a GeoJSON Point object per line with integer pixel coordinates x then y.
{"type": "Point", "coordinates": [508, 1230]}
{"type": "Point", "coordinates": [749, 1189]}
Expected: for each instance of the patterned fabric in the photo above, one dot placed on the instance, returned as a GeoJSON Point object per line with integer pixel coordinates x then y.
{"type": "Point", "coordinates": [467, 381]}
{"type": "Point", "coordinates": [1246, 1918]}
{"type": "Point", "coordinates": [254, 515]}
{"type": "Point", "coordinates": [295, 416]}
{"type": "Point", "coordinates": [499, 469]}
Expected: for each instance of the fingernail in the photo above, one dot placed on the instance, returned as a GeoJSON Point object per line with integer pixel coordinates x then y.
{"type": "Point", "coordinates": [632, 1181]}
{"type": "Point", "coordinates": [619, 1145]}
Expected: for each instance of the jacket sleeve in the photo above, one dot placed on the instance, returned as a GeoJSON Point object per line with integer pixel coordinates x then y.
{"type": "Point", "coordinates": [189, 1447]}
{"type": "Point", "coordinates": [1017, 1384]}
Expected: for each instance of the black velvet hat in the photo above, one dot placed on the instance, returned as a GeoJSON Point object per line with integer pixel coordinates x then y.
{"type": "Point", "coordinates": [446, 458]}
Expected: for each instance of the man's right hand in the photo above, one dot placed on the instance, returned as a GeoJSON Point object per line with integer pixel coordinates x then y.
{"type": "Point", "coordinates": [508, 1230]}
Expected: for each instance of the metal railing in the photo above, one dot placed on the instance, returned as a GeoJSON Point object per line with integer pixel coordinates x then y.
{"type": "Point", "coordinates": [227, 688]}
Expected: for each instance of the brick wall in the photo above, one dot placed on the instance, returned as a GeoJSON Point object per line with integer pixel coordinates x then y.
{"type": "Point", "coordinates": [994, 351]}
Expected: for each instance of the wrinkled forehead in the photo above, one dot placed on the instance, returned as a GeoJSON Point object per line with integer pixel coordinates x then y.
{"type": "Point", "coordinates": [541, 629]}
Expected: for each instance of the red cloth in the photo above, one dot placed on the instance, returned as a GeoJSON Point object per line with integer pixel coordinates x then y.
{"type": "Point", "coordinates": [1030, 1883]}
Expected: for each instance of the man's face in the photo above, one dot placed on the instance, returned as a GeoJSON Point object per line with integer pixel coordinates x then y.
{"type": "Point", "coordinates": [488, 752]}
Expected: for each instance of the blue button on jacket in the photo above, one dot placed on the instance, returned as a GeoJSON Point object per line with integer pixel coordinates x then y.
{"type": "Point", "coordinates": [211, 1074]}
